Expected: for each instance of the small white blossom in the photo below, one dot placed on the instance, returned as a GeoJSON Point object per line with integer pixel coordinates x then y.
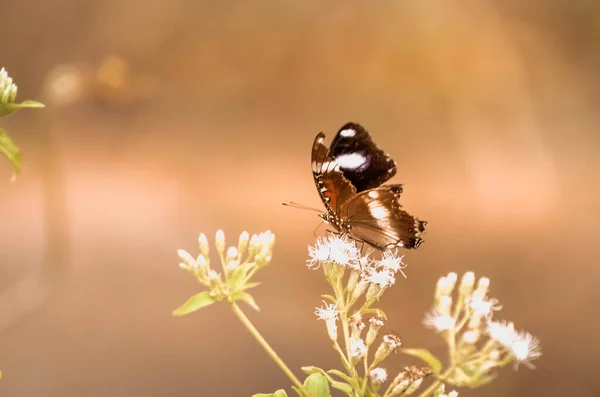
{"type": "Point", "coordinates": [391, 261]}
{"type": "Point", "coordinates": [439, 322]}
{"type": "Point", "coordinates": [502, 332]}
{"type": "Point", "coordinates": [330, 314]}
{"type": "Point", "coordinates": [378, 375]}
{"type": "Point", "coordinates": [482, 306]}
{"type": "Point", "coordinates": [339, 250]}
{"type": "Point", "coordinates": [525, 348]}
{"type": "Point", "coordinates": [357, 348]}
{"type": "Point", "coordinates": [383, 278]}
{"type": "Point", "coordinates": [470, 336]}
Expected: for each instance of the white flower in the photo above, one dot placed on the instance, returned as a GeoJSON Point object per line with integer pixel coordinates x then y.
{"type": "Point", "coordinates": [340, 250]}
{"type": "Point", "coordinates": [357, 348]}
{"type": "Point", "coordinates": [383, 278]}
{"type": "Point", "coordinates": [482, 306]}
{"type": "Point", "coordinates": [525, 348]}
{"type": "Point", "coordinates": [391, 261]}
{"type": "Point", "coordinates": [470, 336]}
{"type": "Point", "coordinates": [330, 314]}
{"type": "Point", "coordinates": [439, 322]}
{"type": "Point", "coordinates": [8, 90]}
{"type": "Point", "coordinates": [502, 332]}
{"type": "Point", "coordinates": [378, 375]}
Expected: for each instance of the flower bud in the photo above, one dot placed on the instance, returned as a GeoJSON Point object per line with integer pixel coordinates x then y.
{"type": "Point", "coordinates": [186, 258]}
{"type": "Point", "coordinates": [220, 241]}
{"type": "Point", "coordinates": [203, 243]}
{"type": "Point", "coordinates": [377, 376]}
{"type": "Point", "coordinates": [375, 325]}
{"type": "Point", "coordinates": [243, 242]}
{"type": "Point", "coordinates": [390, 343]}
{"type": "Point", "coordinates": [466, 284]}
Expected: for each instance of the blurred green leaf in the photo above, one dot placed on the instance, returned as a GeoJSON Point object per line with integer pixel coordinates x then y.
{"type": "Point", "coordinates": [317, 385]}
{"type": "Point", "coordinates": [278, 393]}
{"type": "Point", "coordinates": [377, 312]}
{"type": "Point", "coordinates": [196, 302]}
{"type": "Point", "coordinates": [11, 152]}
{"type": "Point", "coordinates": [340, 374]}
{"type": "Point", "coordinates": [425, 355]}
{"type": "Point", "coordinates": [342, 386]}
{"type": "Point", "coordinates": [8, 108]}
{"type": "Point", "coordinates": [246, 297]}
{"type": "Point", "coordinates": [329, 298]}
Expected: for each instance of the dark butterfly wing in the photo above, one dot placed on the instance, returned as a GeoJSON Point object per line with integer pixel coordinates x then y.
{"type": "Point", "coordinates": [376, 217]}
{"type": "Point", "coordinates": [362, 162]}
{"type": "Point", "coordinates": [332, 186]}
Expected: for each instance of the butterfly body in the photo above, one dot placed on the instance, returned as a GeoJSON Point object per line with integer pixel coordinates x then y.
{"type": "Point", "coordinates": [349, 177]}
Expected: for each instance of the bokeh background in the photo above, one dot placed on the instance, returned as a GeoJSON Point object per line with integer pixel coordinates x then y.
{"type": "Point", "coordinates": [167, 119]}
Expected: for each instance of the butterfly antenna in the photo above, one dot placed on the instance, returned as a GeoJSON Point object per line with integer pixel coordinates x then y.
{"type": "Point", "coordinates": [300, 206]}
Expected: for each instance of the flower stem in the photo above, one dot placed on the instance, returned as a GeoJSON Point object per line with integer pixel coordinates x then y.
{"type": "Point", "coordinates": [433, 387]}
{"type": "Point", "coordinates": [268, 349]}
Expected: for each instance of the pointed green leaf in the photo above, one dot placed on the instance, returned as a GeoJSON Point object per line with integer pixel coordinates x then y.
{"type": "Point", "coordinates": [250, 285]}
{"type": "Point", "coordinates": [238, 276]}
{"type": "Point", "coordinates": [317, 385]}
{"type": "Point", "coordinates": [278, 393]}
{"type": "Point", "coordinates": [246, 297]}
{"type": "Point", "coordinates": [8, 108]}
{"type": "Point", "coordinates": [196, 302]}
{"type": "Point", "coordinates": [298, 391]}
{"type": "Point", "coordinates": [426, 356]}
{"type": "Point", "coordinates": [329, 298]}
{"type": "Point", "coordinates": [377, 312]}
{"type": "Point", "coordinates": [340, 374]}
{"type": "Point", "coordinates": [346, 388]}
{"type": "Point", "coordinates": [311, 370]}
{"type": "Point", "coordinates": [11, 152]}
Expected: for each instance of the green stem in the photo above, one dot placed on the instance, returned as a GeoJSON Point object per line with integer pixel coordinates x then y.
{"type": "Point", "coordinates": [437, 383]}
{"type": "Point", "coordinates": [268, 349]}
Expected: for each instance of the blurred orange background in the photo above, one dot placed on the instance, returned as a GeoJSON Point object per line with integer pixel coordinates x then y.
{"type": "Point", "coordinates": [167, 119]}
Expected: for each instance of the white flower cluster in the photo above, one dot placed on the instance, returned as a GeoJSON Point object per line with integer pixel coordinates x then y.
{"type": "Point", "coordinates": [8, 89]}
{"type": "Point", "coordinates": [466, 321]}
{"type": "Point", "coordinates": [258, 250]}
{"type": "Point", "coordinates": [343, 252]}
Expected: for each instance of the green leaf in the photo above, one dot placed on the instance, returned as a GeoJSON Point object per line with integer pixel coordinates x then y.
{"type": "Point", "coordinates": [196, 302]}
{"type": "Point", "coordinates": [311, 370]}
{"type": "Point", "coordinates": [8, 108]}
{"type": "Point", "coordinates": [316, 384]}
{"type": "Point", "coordinates": [329, 297]}
{"type": "Point", "coordinates": [426, 356]}
{"type": "Point", "coordinates": [250, 285]}
{"type": "Point", "coordinates": [377, 312]}
{"type": "Point", "coordinates": [238, 276]}
{"type": "Point", "coordinates": [246, 297]}
{"type": "Point", "coordinates": [340, 374]}
{"type": "Point", "coordinates": [346, 388]}
{"type": "Point", "coordinates": [11, 152]}
{"type": "Point", "coordinates": [278, 393]}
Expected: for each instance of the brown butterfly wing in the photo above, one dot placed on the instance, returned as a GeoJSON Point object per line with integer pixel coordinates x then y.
{"type": "Point", "coordinates": [334, 189]}
{"type": "Point", "coordinates": [376, 217]}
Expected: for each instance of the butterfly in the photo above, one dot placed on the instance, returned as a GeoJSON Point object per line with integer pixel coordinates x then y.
{"type": "Point", "coordinates": [349, 177]}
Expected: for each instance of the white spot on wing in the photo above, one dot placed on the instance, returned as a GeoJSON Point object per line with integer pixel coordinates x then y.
{"type": "Point", "coordinates": [348, 133]}
{"type": "Point", "coordinates": [379, 212]}
{"type": "Point", "coordinates": [373, 194]}
{"type": "Point", "coordinates": [351, 161]}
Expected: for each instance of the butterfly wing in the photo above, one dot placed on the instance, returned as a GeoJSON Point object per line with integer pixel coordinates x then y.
{"type": "Point", "coordinates": [362, 162]}
{"type": "Point", "coordinates": [376, 217]}
{"type": "Point", "coordinates": [334, 189]}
